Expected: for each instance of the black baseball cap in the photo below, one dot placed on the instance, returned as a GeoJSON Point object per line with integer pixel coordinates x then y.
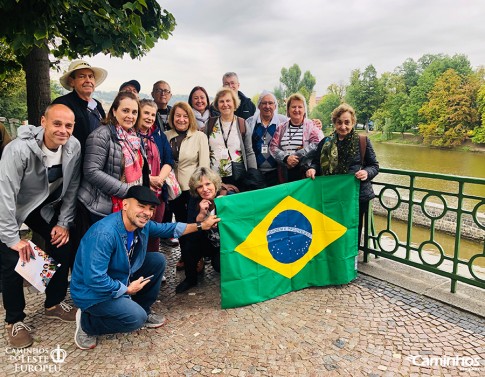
{"type": "Point", "coordinates": [143, 194]}
{"type": "Point", "coordinates": [135, 83]}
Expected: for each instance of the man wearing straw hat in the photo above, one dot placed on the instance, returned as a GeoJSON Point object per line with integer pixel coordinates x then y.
{"type": "Point", "coordinates": [82, 79]}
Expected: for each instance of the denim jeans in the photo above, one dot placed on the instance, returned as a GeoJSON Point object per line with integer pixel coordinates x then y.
{"type": "Point", "coordinates": [127, 313]}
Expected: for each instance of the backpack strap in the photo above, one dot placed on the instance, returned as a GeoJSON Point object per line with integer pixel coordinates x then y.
{"type": "Point", "coordinates": [363, 147]}
{"type": "Point", "coordinates": [242, 126]}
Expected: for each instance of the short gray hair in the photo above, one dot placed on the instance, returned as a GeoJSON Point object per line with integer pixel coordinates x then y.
{"type": "Point", "coordinates": [230, 74]}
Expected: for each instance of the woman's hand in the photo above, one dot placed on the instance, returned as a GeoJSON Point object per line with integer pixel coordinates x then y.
{"type": "Point", "coordinates": [292, 161]}
{"type": "Point", "coordinates": [156, 182]}
{"type": "Point", "coordinates": [310, 173]}
{"type": "Point", "coordinates": [317, 123]}
{"type": "Point", "coordinates": [204, 207]}
{"type": "Point", "coordinates": [361, 174]}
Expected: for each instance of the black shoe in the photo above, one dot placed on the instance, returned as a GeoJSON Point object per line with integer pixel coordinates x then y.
{"type": "Point", "coordinates": [185, 285]}
{"type": "Point", "coordinates": [171, 242]}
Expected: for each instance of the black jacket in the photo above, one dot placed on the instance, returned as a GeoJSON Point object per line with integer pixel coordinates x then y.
{"type": "Point", "coordinates": [371, 165]}
{"type": "Point", "coordinates": [246, 108]}
{"type": "Point", "coordinates": [81, 114]}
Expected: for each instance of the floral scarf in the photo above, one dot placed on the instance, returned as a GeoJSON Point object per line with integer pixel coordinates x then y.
{"type": "Point", "coordinates": [130, 146]}
{"type": "Point", "coordinates": [337, 154]}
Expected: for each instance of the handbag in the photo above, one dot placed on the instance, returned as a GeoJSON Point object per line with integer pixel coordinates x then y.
{"type": "Point", "coordinates": [173, 186]}
{"type": "Point", "coordinates": [238, 171]}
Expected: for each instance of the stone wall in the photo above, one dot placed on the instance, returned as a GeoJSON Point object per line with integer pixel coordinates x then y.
{"type": "Point", "coordinates": [447, 223]}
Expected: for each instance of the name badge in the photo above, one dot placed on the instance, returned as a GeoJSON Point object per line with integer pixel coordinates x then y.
{"type": "Point", "coordinates": [264, 149]}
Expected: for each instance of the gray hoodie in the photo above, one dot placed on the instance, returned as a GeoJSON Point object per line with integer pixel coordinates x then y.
{"type": "Point", "coordinates": [24, 184]}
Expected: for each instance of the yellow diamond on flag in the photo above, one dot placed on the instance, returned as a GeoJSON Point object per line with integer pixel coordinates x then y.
{"type": "Point", "coordinates": [290, 236]}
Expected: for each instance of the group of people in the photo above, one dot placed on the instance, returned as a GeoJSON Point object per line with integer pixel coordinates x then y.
{"type": "Point", "coordinates": [93, 186]}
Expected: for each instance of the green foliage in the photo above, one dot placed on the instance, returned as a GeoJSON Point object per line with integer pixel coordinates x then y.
{"type": "Point", "coordinates": [451, 111]}
{"type": "Point", "coordinates": [73, 29]}
{"type": "Point", "coordinates": [324, 108]}
{"type": "Point", "coordinates": [364, 93]}
{"type": "Point", "coordinates": [84, 27]}
{"type": "Point", "coordinates": [292, 82]}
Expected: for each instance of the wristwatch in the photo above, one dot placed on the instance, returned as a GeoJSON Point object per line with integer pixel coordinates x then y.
{"type": "Point", "coordinates": [199, 226]}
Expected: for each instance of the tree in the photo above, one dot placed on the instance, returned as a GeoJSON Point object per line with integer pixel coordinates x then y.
{"type": "Point", "coordinates": [292, 82]}
{"type": "Point", "coordinates": [76, 28]}
{"type": "Point", "coordinates": [337, 89]}
{"type": "Point", "coordinates": [451, 110]}
{"type": "Point", "coordinates": [323, 110]}
{"type": "Point", "coordinates": [479, 131]}
{"type": "Point", "coordinates": [364, 93]}
{"type": "Point", "coordinates": [433, 67]}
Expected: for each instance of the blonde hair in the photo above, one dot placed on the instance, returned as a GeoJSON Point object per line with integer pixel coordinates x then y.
{"type": "Point", "coordinates": [185, 107]}
{"type": "Point", "coordinates": [222, 92]}
{"type": "Point", "coordinates": [196, 177]}
{"type": "Point", "coordinates": [295, 97]}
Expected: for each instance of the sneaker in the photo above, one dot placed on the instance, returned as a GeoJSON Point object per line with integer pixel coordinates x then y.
{"type": "Point", "coordinates": [19, 335]}
{"type": "Point", "coordinates": [172, 242]}
{"type": "Point", "coordinates": [83, 340]}
{"type": "Point", "coordinates": [62, 311]}
{"type": "Point", "coordinates": [164, 279]}
{"type": "Point", "coordinates": [154, 320]}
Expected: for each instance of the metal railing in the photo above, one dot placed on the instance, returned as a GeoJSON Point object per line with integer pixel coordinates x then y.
{"type": "Point", "coordinates": [436, 203]}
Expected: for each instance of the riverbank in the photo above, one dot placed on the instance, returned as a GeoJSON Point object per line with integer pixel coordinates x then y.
{"type": "Point", "coordinates": [417, 140]}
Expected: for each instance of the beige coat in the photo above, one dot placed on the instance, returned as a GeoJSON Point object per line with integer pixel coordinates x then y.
{"type": "Point", "coordinates": [194, 152]}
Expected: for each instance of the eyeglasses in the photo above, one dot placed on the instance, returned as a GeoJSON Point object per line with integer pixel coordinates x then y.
{"type": "Point", "coordinates": [268, 103]}
{"type": "Point", "coordinates": [162, 91]}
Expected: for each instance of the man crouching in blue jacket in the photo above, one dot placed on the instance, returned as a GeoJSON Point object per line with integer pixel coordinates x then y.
{"type": "Point", "coordinates": [114, 280]}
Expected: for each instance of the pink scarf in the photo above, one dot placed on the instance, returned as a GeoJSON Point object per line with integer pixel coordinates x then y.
{"type": "Point", "coordinates": [130, 146]}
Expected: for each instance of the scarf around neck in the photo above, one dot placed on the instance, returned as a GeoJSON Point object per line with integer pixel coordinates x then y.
{"type": "Point", "coordinates": [201, 118]}
{"type": "Point", "coordinates": [130, 146]}
{"type": "Point", "coordinates": [337, 154]}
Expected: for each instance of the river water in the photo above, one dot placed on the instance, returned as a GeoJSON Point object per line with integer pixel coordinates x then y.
{"type": "Point", "coordinates": [416, 158]}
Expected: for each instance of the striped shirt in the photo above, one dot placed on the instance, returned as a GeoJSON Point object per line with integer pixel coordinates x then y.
{"type": "Point", "coordinates": [292, 140]}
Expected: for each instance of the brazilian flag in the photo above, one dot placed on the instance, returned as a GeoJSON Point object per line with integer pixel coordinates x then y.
{"type": "Point", "coordinates": [288, 237]}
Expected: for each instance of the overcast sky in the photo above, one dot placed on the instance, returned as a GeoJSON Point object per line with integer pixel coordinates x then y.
{"type": "Point", "coordinates": [256, 38]}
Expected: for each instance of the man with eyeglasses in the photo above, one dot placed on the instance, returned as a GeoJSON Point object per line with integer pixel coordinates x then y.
{"type": "Point", "coordinates": [262, 125]}
{"type": "Point", "coordinates": [246, 108]}
{"type": "Point", "coordinates": [161, 94]}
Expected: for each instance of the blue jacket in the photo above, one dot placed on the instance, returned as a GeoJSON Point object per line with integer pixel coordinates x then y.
{"type": "Point", "coordinates": [102, 270]}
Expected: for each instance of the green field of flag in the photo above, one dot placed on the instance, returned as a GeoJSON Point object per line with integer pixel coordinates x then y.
{"type": "Point", "coordinates": [288, 237]}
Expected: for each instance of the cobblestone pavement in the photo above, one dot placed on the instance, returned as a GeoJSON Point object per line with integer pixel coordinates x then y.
{"type": "Point", "coordinates": [365, 328]}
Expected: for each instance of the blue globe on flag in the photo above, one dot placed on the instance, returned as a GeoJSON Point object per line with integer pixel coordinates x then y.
{"type": "Point", "coordinates": [289, 236]}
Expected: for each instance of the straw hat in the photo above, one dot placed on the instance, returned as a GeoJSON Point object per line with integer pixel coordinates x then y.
{"type": "Point", "coordinates": [99, 73]}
